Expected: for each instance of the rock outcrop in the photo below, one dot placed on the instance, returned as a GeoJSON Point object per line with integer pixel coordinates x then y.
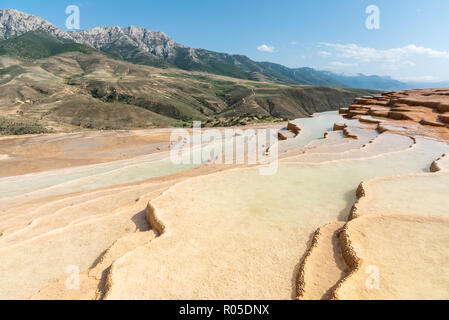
{"type": "Point", "coordinates": [293, 128]}
{"type": "Point", "coordinates": [428, 107]}
{"type": "Point", "coordinates": [14, 23]}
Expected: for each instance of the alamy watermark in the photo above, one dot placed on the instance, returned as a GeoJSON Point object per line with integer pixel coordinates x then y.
{"type": "Point", "coordinates": [73, 280]}
{"type": "Point", "coordinates": [73, 21]}
{"type": "Point", "coordinates": [373, 20]}
{"type": "Point", "coordinates": [373, 280]}
{"type": "Point", "coordinates": [228, 146]}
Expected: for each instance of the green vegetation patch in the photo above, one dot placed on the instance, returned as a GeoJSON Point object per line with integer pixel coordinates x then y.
{"type": "Point", "coordinates": [187, 76]}
{"type": "Point", "coordinates": [266, 95]}
{"type": "Point", "coordinates": [9, 73]}
{"type": "Point", "coordinates": [220, 88]}
{"type": "Point", "coordinates": [75, 79]}
{"type": "Point", "coordinates": [242, 120]}
{"type": "Point", "coordinates": [20, 127]}
{"type": "Point", "coordinates": [35, 45]}
{"type": "Point", "coordinates": [262, 85]}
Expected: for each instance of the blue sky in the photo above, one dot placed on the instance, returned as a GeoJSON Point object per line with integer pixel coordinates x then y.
{"type": "Point", "coordinates": [411, 43]}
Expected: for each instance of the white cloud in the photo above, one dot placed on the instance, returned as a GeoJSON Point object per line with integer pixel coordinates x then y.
{"type": "Point", "coordinates": [324, 54]}
{"type": "Point", "coordinates": [265, 48]}
{"type": "Point", "coordinates": [339, 64]}
{"type": "Point", "coordinates": [393, 66]}
{"type": "Point", "coordinates": [422, 78]}
{"type": "Point", "coordinates": [403, 55]}
{"type": "Point", "coordinates": [293, 43]}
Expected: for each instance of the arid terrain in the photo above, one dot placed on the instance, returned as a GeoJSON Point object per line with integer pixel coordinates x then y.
{"type": "Point", "coordinates": [78, 91]}
{"type": "Point", "coordinates": [357, 209]}
{"type": "Point", "coordinates": [112, 78]}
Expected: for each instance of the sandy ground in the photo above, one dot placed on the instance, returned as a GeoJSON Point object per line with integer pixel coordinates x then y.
{"type": "Point", "coordinates": [396, 257]}
{"type": "Point", "coordinates": [35, 153]}
{"type": "Point", "coordinates": [227, 232]}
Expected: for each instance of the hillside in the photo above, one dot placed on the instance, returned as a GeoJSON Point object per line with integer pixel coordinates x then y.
{"type": "Point", "coordinates": [89, 90]}
{"type": "Point", "coordinates": [36, 45]}
{"type": "Point", "coordinates": [142, 46]}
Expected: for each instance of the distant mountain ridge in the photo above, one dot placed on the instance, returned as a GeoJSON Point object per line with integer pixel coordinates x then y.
{"type": "Point", "coordinates": [142, 46]}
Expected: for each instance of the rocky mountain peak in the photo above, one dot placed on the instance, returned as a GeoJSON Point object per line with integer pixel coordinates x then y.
{"type": "Point", "coordinates": [14, 23]}
{"type": "Point", "coordinates": [143, 46]}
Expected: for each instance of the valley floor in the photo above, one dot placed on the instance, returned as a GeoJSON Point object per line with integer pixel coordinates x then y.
{"type": "Point", "coordinates": [358, 209]}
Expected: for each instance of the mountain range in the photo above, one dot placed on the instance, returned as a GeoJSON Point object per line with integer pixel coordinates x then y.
{"type": "Point", "coordinates": [142, 46]}
{"type": "Point", "coordinates": [111, 78]}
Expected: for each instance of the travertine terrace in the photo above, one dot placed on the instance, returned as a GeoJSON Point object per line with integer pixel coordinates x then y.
{"type": "Point", "coordinates": [356, 210]}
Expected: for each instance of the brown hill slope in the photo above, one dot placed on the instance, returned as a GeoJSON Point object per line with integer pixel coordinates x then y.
{"type": "Point", "coordinates": [76, 90]}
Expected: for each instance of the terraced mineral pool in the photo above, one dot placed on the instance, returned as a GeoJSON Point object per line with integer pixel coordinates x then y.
{"type": "Point", "coordinates": [238, 233]}
{"type": "Point", "coordinates": [228, 235]}
{"type": "Point", "coordinates": [311, 129]}
{"type": "Point", "coordinates": [380, 144]}
{"type": "Point", "coordinates": [30, 186]}
{"type": "Point", "coordinates": [34, 186]}
{"type": "Point", "coordinates": [56, 182]}
{"type": "Point", "coordinates": [11, 186]}
{"type": "Point", "coordinates": [419, 194]}
{"type": "Point", "coordinates": [364, 137]}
